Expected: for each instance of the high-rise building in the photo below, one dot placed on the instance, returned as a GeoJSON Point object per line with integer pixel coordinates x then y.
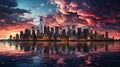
{"type": "Point", "coordinates": [10, 37]}
{"type": "Point", "coordinates": [56, 32]}
{"type": "Point", "coordinates": [48, 29]}
{"type": "Point", "coordinates": [52, 30]}
{"type": "Point", "coordinates": [60, 32]}
{"type": "Point", "coordinates": [17, 36]}
{"type": "Point", "coordinates": [45, 29]}
{"type": "Point", "coordinates": [73, 30]}
{"type": "Point", "coordinates": [95, 35]}
{"type": "Point", "coordinates": [26, 34]}
{"type": "Point", "coordinates": [79, 33]}
{"type": "Point", "coordinates": [91, 34]}
{"type": "Point", "coordinates": [106, 35]}
{"type": "Point", "coordinates": [86, 33]}
{"type": "Point", "coordinates": [38, 32]}
{"type": "Point", "coordinates": [33, 33]}
{"type": "Point", "coordinates": [68, 30]}
{"type": "Point", "coordinates": [63, 33]}
{"type": "Point", "coordinates": [41, 25]}
{"type": "Point", "coordinates": [21, 35]}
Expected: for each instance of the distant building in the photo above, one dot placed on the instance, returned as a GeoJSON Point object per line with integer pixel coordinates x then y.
{"type": "Point", "coordinates": [38, 31]}
{"type": "Point", "coordinates": [33, 33]}
{"type": "Point", "coordinates": [91, 34]}
{"type": "Point", "coordinates": [106, 35]}
{"type": "Point", "coordinates": [73, 30]}
{"type": "Point", "coordinates": [79, 32]}
{"type": "Point", "coordinates": [10, 37]}
{"type": "Point", "coordinates": [56, 32]}
{"type": "Point", "coordinates": [26, 34]}
{"type": "Point", "coordinates": [86, 33]}
{"type": "Point", "coordinates": [45, 29]}
{"type": "Point", "coordinates": [95, 35]}
{"type": "Point", "coordinates": [60, 32]}
{"type": "Point", "coordinates": [63, 33]}
{"type": "Point", "coordinates": [17, 37]}
{"type": "Point", "coordinates": [67, 29]}
{"type": "Point", "coordinates": [41, 25]}
{"type": "Point", "coordinates": [21, 35]}
{"type": "Point", "coordinates": [52, 31]}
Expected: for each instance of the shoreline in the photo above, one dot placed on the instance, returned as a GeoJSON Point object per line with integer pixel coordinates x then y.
{"type": "Point", "coordinates": [63, 40]}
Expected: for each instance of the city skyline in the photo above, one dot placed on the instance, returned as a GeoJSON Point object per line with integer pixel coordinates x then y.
{"type": "Point", "coordinates": [70, 33]}
{"type": "Point", "coordinates": [17, 15]}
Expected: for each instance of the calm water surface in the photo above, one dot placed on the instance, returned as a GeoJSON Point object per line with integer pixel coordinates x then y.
{"type": "Point", "coordinates": [59, 54]}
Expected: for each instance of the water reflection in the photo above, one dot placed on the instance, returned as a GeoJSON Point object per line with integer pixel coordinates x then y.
{"type": "Point", "coordinates": [59, 54]}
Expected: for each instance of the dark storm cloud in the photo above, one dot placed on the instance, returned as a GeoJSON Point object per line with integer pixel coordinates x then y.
{"type": "Point", "coordinates": [8, 3]}
{"type": "Point", "coordinates": [10, 14]}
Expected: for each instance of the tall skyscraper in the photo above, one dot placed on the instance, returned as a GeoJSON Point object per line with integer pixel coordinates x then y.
{"type": "Point", "coordinates": [91, 34]}
{"type": "Point", "coordinates": [56, 32]}
{"type": "Point", "coordinates": [48, 29]}
{"type": "Point", "coordinates": [21, 35]}
{"type": "Point", "coordinates": [73, 30]}
{"type": "Point", "coordinates": [33, 33]}
{"type": "Point", "coordinates": [26, 34]}
{"type": "Point", "coordinates": [95, 35]}
{"type": "Point", "coordinates": [106, 35]}
{"type": "Point", "coordinates": [86, 33]}
{"type": "Point", "coordinates": [52, 30]}
{"type": "Point", "coordinates": [45, 29]}
{"type": "Point", "coordinates": [63, 32]}
{"type": "Point", "coordinates": [10, 37]}
{"type": "Point", "coordinates": [38, 31]}
{"type": "Point", "coordinates": [79, 33]}
{"type": "Point", "coordinates": [17, 36]}
{"type": "Point", "coordinates": [41, 25]}
{"type": "Point", "coordinates": [67, 30]}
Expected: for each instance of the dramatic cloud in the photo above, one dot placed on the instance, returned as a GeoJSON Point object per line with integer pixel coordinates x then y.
{"type": "Point", "coordinates": [98, 14]}
{"type": "Point", "coordinates": [11, 19]}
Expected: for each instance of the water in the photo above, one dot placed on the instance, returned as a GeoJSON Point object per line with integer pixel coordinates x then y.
{"type": "Point", "coordinates": [59, 54]}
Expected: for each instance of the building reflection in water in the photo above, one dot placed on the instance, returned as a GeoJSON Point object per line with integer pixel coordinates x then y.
{"type": "Point", "coordinates": [55, 54]}
{"type": "Point", "coordinates": [60, 48]}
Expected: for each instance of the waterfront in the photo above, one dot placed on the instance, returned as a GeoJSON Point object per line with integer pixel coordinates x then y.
{"type": "Point", "coordinates": [59, 54]}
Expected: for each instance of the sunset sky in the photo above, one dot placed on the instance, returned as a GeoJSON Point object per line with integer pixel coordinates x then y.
{"type": "Point", "coordinates": [101, 15]}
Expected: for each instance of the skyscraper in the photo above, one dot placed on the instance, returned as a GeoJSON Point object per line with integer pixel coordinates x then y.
{"type": "Point", "coordinates": [95, 35]}
{"type": "Point", "coordinates": [26, 34]}
{"type": "Point", "coordinates": [63, 33]}
{"type": "Point", "coordinates": [79, 32]}
{"type": "Point", "coordinates": [106, 35]}
{"type": "Point", "coordinates": [86, 33]}
{"type": "Point", "coordinates": [73, 30]}
{"type": "Point", "coordinates": [45, 29]}
{"type": "Point", "coordinates": [91, 34]}
{"type": "Point", "coordinates": [41, 25]}
{"type": "Point", "coordinates": [17, 36]}
{"type": "Point", "coordinates": [33, 33]}
{"type": "Point", "coordinates": [52, 30]}
{"type": "Point", "coordinates": [56, 32]}
{"type": "Point", "coordinates": [21, 35]}
{"type": "Point", "coordinates": [10, 37]}
{"type": "Point", "coordinates": [38, 31]}
{"type": "Point", "coordinates": [67, 30]}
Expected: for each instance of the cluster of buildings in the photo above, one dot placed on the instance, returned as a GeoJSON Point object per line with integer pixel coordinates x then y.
{"type": "Point", "coordinates": [70, 32]}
